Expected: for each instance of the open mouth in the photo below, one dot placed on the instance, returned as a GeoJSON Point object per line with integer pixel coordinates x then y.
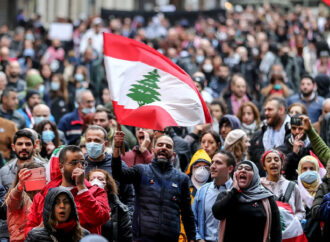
{"type": "Point", "coordinates": [62, 214]}
{"type": "Point", "coordinates": [274, 168]}
{"type": "Point", "coordinates": [141, 136]}
{"type": "Point", "coordinates": [242, 178]}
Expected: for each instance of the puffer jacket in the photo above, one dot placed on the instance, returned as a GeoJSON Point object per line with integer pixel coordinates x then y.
{"type": "Point", "coordinates": [162, 195]}
{"type": "Point", "coordinates": [92, 205]}
{"type": "Point", "coordinates": [119, 226]}
{"type": "Point", "coordinates": [8, 172]}
{"type": "Point", "coordinates": [46, 234]}
{"type": "Point", "coordinates": [18, 209]}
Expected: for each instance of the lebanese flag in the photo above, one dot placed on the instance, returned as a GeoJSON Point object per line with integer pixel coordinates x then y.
{"type": "Point", "coordinates": [147, 89]}
{"type": "Point", "coordinates": [291, 226]}
{"type": "Point", "coordinates": [327, 2]}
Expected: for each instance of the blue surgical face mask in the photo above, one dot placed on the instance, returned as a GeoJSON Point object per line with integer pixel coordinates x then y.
{"type": "Point", "coordinates": [88, 110]}
{"type": "Point", "coordinates": [55, 86]}
{"type": "Point", "coordinates": [309, 176]}
{"type": "Point", "coordinates": [47, 136]}
{"type": "Point", "coordinates": [38, 119]}
{"type": "Point", "coordinates": [79, 77]}
{"type": "Point", "coordinates": [41, 89]}
{"type": "Point", "coordinates": [94, 150]}
{"type": "Point", "coordinates": [277, 86]}
{"type": "Point", "coordinates": [200, 59]}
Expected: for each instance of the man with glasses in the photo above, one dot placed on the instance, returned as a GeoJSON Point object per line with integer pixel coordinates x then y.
{"type": "Point", "coordinates": [72, 124]}
{"type": "Point", "coordinates": [97, 157]}
{"type": "Point", "coordinates": [92, 202]}
{"type": "Point", "coordinates": [207, 227]}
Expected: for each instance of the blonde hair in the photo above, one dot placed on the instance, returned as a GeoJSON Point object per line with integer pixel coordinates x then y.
{"type": "Point", "coordinates": [308, 158]}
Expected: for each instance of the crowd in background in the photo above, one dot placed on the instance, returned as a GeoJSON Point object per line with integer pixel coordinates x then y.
{"type": "Point", "coordinates": [264, 74]}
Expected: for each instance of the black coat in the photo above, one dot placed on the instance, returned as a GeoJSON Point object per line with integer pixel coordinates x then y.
{"type": "Point", "coordinates": [292, 159]}
{"type": "Point", "coordinates": [162, 195]}
{"type": "Point", "coordinates": [119, 227]}
{"type": "Point", "coordinates": [246, 221]}
{"type": "Point", "coordinates": [45, 233]}
{"type": "Point", "coordinates": [257, 148]}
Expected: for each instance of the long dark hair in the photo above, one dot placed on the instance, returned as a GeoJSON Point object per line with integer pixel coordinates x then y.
{"type": "Point", "coordinates": [39, 128]}
{"type": "Point", "coordinates": [77, 232]}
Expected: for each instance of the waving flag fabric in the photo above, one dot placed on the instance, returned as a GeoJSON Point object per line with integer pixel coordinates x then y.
{"type": "Point", "coordinates": [147, 89]}
{"type": "Point", "coordinates": [291, 227]}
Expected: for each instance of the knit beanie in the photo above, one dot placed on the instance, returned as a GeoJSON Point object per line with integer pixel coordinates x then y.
{"type": "Point", "coordinates": [33, 80]}
{"type": "Point", "coordinates": [30, 93]}
{"type": "Point", "coordinates": [233, 136]}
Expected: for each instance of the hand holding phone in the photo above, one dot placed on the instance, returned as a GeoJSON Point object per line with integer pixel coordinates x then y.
{"type": "Point", "coordinates": [37, 179]}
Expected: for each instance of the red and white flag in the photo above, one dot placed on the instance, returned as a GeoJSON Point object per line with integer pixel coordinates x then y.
{"type": "Point", "coordinates": [147, 89]}
{"type": "Point", "coordinates": [291, 227]}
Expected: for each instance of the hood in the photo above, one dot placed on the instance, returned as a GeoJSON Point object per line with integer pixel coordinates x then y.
{"type": "Point", "coordinates": [234, 121]}
{"type": "Point", "coordinates": [49, 203]}
{"type": "Point", "coordinates": [199, 156]}
{"type": "Point", "coordinates": [33, 80]}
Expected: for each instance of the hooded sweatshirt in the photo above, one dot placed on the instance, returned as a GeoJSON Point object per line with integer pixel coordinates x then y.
{"type": "Point", "coordinates": [46, 233]}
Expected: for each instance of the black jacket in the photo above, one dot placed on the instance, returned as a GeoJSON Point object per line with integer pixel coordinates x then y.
{"type": "Point", "coordinates": [119, 227]}
{"type": "Point", "coordinates": [257, 149]}
{"type": "Point", "coordinates": [126, 191]}
{"type": "Point", "coordinates": [162, 195]}
{"type": "Point", "coordinates": [242, 218]}
{"type": "Point", "coordinates": [3, 214]}
{"type": "Point", "coordinates": [45, 233]}
{"type": "Point", "coordinates": [292, 159]}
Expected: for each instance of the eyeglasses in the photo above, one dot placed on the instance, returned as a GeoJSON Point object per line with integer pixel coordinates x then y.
{"type": "Point", "coordinates": [206, 167]}
{"type": "Point", "coordinates": [247, 168]}
{"type": "Point", "coordinates": [83, 163]}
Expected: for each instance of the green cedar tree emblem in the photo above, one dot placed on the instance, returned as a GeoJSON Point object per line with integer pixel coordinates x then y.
{"type": "Point", "coordinates": [283, 226]}
{"type": "Point", "coordinates": [145, 91]}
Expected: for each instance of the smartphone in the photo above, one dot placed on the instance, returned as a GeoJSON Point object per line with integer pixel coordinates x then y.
{"type": "Point", "coordinates": [37, 180]}
{"type": "Point", "coordinates": [296, 121]}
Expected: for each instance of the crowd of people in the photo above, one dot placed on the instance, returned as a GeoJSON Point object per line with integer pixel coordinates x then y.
{"type": "Point", "coordinates": [264, 74]}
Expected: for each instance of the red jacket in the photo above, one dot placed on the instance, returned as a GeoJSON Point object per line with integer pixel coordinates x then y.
{"type": "Point", "coordinates": [92, 205]}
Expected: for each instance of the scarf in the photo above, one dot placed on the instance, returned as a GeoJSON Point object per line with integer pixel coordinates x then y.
{"type": "Point", "coordinates": [273, 138]}
{"type": "Point", "coordinates": [308, 191]}
{"type": "Point", "coordinates": [66, 227]}
{"type": "Point", "coordinates": [250, 128]}
{"type": "Point", "coordinates": [255, 191]}
{"type": "Point", "coordinates": [306, 141]}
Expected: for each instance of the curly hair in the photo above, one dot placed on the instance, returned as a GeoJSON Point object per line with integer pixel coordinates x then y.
{"type": "Point", "coordinates": [237, 150]}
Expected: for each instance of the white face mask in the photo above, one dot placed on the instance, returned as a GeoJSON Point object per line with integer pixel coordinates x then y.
{"type": "Point", "coordinates": [201, 174]}
{"type": "Point", "coordinates": [97, 182]}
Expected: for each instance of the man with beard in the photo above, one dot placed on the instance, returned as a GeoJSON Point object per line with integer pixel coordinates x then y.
{"type": "Point", "coordinates": [220, 81]}
{"type": "Point", "coordinates": [309, 98]}
{"type": "Point", "coordinates": [92, 202]}
{"type": "Point", "coordinates": [296, 145]}
{"type": "Point", "coordinates": [272, 134]}
{"type": "Point", "coordinates": [23, 145]}
{"type": "Point", "coordinates": [13, 72]}
{"type": "Point", "coordinates": [162, 194]}
{"type": "Point", "coordinates": [237, 94]}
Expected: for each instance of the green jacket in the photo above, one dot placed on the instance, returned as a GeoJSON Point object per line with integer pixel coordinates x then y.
{"type": "Point", "coordinates": [320, 148]}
